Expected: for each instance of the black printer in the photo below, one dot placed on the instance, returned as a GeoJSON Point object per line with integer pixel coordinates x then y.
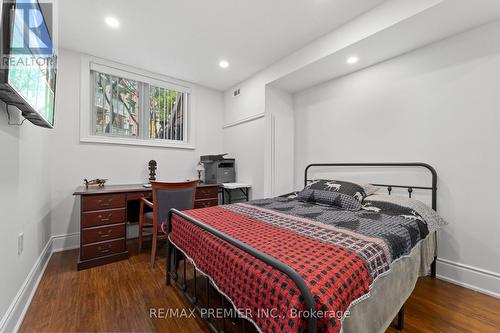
{"type": "Point", "coordinates": [218, 169]}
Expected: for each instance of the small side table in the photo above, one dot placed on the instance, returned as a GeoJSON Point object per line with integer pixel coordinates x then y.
{"type": "Point", "coordinates": [228, 187]}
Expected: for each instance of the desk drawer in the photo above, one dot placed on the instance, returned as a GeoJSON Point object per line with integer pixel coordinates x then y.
{"type": "Point", "coordinates": [102, 249]}
{"type": "Point", "coordinates": [104, 201]}
{"type": "Point", "coordinates": [138, 195]}
{"type": "Point", "coordinates": [102, 234]}
{"type": "Point", "coordinates": [207, 192]}
{"type": "Point", "coordinates": [103, 217]}
{"type": "Point", "coordinates": [206, 203]}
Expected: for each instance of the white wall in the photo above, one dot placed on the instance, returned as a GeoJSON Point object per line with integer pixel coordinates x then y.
{"type": "Point", "coordinates": [72, 161]}
{"type": "Point", "coordinates": [441, 105]}
{"type": "Point", "coordinates": [245, 143]}
{"type": "Point", "coordinates": [252, 100]}
{"type": "Point", "coordinates": [25, 203]}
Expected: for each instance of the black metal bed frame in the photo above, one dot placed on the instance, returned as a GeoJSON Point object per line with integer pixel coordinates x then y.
{"type": "Point", "coordinates": [310, 305]}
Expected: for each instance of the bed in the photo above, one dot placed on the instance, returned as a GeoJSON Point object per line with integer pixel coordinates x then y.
{"type": "Point", "coordinates": [318, 261]}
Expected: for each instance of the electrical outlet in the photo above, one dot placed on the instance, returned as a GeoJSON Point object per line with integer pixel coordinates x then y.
{"type": "Point", "coordinates": [20, 243]}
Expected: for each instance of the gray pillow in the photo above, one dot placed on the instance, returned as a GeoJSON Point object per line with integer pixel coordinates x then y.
{"type": "Point", "coordinates": [329, 198]}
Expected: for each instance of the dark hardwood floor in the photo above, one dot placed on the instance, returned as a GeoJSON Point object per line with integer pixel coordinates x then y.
{"type": "Point", "coordinates": [119, 296]}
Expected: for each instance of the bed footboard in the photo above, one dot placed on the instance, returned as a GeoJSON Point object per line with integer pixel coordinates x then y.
{"type": "Point", "coordinates": [309, 302]}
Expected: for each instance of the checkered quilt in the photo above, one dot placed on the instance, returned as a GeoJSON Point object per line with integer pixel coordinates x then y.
{"type": "Point", "coordinates": [338, 253]}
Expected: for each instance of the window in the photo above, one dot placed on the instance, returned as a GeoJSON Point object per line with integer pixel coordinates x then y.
{"type": "Point", "coordinates": [129, 107]}
{"type": "Point", "coordinates": [166, 113]}
{"type": "Point", "coordinates": [116, 104]}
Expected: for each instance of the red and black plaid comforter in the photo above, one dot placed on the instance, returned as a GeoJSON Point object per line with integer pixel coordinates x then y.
{"type": "Point", "coordinates": [336, 275]}
{"type": "Point", "coordinates": [338, 253]}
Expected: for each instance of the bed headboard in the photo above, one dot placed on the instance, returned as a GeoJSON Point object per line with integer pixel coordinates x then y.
{"type": "Point", "coordinates": [410, 188]}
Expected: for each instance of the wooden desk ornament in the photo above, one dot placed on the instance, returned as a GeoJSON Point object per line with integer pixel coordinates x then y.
{"type": "Point", "coordinates": [152, 170]}
{"type": "Point", "coordinates": [94, 182]}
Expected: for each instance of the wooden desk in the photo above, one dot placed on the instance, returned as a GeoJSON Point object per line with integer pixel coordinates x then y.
{"type": "Point", "coordinates": [104, 214]}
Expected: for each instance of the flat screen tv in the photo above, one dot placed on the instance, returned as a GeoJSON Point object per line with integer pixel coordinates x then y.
{"type": "Point", "coordinates": [28, 67]}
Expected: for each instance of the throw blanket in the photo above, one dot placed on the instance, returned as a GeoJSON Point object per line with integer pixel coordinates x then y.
{"type": "Point", "coordinates": [338, 253]}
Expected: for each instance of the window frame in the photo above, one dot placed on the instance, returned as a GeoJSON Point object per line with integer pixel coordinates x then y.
{"type": "Point", "coordinates": [145, 79]}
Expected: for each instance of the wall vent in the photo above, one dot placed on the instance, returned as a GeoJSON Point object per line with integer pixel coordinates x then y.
{"type": "Point", "coordinates": [236, 92]}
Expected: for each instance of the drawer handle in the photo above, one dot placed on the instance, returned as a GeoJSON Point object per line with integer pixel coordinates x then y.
{"type": "Point", "coordinates": [104, 250]}
{"type": "Point", "coordinates": [104, 235]}
{"type": "Point", "coordinates": [105, 219]}
{"type": "Point", "coordinates": [105, 204]}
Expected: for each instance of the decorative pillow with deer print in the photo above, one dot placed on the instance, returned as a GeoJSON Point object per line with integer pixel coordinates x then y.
{"type": "Point", "coordinates": [329, 198]}
{"type": "Point", "coordinates": [358, 191]}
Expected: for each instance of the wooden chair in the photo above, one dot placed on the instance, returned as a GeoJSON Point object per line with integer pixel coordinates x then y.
{"type": "Point", "coordinates": [165, 197]}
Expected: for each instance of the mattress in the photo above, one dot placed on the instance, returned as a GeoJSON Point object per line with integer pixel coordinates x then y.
{"type": "Point", "coordinates": [348, 259]}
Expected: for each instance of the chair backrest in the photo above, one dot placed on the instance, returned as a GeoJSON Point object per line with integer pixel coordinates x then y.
{"type": "Point", "coordinates": [172, 195]}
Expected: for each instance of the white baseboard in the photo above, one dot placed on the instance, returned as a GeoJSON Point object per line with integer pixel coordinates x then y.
{"type": "Point", "coordinates": [12, 319]}
{"type": "Point", "coordinates": [65, 242]}
{"type": "Point", "coordinates": [481, 280]}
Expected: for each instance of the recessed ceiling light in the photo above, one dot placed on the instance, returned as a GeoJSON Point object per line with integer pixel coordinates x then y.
{"type": "Point", "coordinates": [223, 64]}
{"type": "Point", "coordinates": [352, 60]}
{"type": "Point", "coordinates": [112, 22]}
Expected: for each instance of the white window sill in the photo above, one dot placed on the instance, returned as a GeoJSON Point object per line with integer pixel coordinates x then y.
{"type": "Point", "coordinates": [137, 142]}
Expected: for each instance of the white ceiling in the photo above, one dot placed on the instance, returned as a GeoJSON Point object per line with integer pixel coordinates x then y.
{"type": "Point", "coordinates": [419, 30]}
{"type": "Point", "coordinates": [186, 39]}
